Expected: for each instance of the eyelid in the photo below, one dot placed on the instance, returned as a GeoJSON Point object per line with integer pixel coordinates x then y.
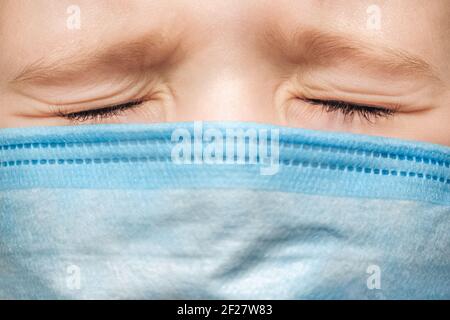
{"type": "Point", "coordinates": [350, 109]}
{"type": "Point", "coordinates": [387, 108]}
{"type": "Point", "coordinates": [99, 113]}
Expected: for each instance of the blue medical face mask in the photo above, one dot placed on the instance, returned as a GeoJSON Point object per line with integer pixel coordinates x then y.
{"type": "Point", "coordinates": [221, 210]}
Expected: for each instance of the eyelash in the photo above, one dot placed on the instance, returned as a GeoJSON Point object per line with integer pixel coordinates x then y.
{"type": "Point", "coordinates": [349, 110]}
{"type": "Point", "coordinates": [369, 113]}
{"type": "Point", "coordinates": [102, 113]}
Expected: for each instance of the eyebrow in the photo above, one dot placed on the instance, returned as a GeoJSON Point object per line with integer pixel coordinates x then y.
{"type": "Point", "coordinates": [313, 47]}
{"type": "Point", "coordinates": [128, 56]}
{"type": "Point", "coordinates": [310, 47]}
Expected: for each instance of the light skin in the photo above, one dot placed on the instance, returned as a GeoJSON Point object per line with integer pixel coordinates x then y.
{"type": "Point", "coordinates": [298, 63]}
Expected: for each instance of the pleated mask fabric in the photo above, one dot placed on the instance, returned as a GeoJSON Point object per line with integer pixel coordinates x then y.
{"type": "Point", "coordinates": [221, 210]}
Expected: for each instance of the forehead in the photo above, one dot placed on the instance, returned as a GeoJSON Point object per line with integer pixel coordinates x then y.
{"type": "Point", "coordinates": [396, 15]}
{"type": "Point", "coordinates": [350, 14]}
{"type": "Point", "coordinates": [39, 27]}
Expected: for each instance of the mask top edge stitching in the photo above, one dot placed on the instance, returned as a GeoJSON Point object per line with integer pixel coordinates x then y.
{"type": "Point", "coordinates": [288, 144]}
{"type": "Point", "coordinates": [311, 164]}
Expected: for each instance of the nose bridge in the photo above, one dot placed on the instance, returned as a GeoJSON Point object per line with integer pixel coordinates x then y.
{"type": "Point", "coordinates": [224, 77]}
{"type": "Point", "coordinates": [224, 85]}
{"type": "Point", "coordinates": [227, 95]}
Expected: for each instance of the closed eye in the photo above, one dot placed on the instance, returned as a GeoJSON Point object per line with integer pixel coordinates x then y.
{"type": "Point", "coordinates": [349, 110]}
{"type": "Point", "coordinates": [101, 113]}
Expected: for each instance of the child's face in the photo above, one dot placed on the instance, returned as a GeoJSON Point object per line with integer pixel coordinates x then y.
{"type": "Point", "coordinates": [285, 62]}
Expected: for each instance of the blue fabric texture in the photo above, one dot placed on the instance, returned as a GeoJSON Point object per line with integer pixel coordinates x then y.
{"type": "Point", "coordinates": [108, 211]}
